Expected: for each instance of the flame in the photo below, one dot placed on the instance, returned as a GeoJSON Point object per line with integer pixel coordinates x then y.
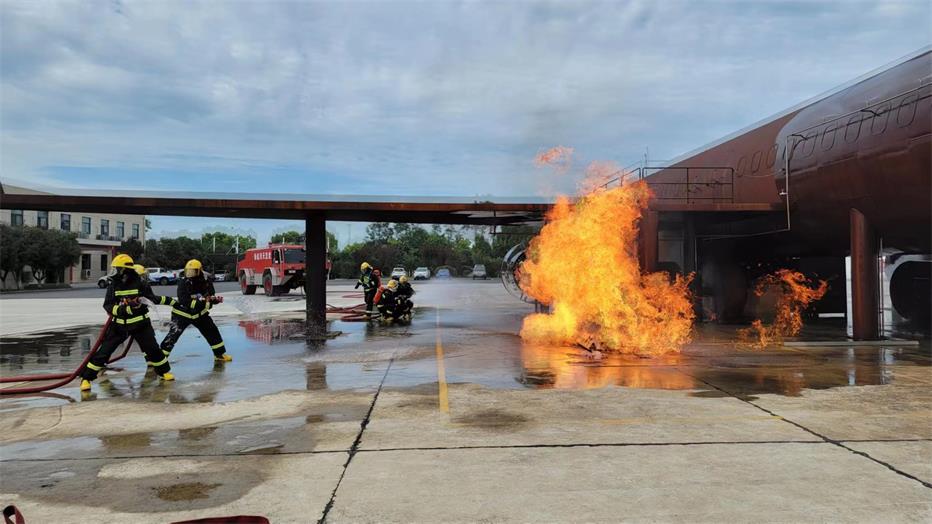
{"type": "Point", "coordinates": [584, 264]}
{"type": "Point", "coordinates": [794, 293]}
{"type": "Point", "coordinates": [559, 157]}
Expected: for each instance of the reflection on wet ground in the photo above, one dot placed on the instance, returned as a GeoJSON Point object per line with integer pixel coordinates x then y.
{"type": "Point", "coordinates": [481, 347]}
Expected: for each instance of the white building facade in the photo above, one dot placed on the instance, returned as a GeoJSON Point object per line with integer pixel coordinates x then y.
{"type": "Point", "coordinates": [99, 236]}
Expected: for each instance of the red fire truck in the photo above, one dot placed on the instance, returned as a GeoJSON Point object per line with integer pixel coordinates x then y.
{"type": "Point", "coordinates": [278, 268]}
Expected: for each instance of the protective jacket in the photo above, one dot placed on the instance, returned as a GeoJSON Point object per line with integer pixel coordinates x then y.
{"type": "Point", "coordinates": [122, 299]}
{"type": "Point", "coordinates": [368, 281]}
{"type": "Point", "coordinates": [192, 293]}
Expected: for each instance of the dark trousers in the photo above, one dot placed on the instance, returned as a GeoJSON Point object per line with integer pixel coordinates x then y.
{"type": "Point", "coordinates": [370, 298]}
{"type": "Point", "coordinates": [116, 334]}
{"type": "Point", "coordinates": [204, 324]}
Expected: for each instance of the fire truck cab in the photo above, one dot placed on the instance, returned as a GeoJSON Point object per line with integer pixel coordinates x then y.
{"type": "Point", "coordinates": [278, 268]}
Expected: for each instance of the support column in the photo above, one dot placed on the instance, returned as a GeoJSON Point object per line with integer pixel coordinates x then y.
{"type": "Point", "coordinates": [315, 273]}
{"type": "Point", "coordinates": [864, 280]}
{"type": "Point", "coordinates": [648, 241]}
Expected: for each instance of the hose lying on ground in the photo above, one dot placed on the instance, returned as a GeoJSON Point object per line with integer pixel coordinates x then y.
{"type": "Point", "coordinates": [61, 378]}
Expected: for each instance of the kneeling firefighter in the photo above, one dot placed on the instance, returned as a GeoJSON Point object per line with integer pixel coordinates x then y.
{"type": "Point", "coordinates": [405, 292]}
{"type": "Point", "coordinates": [391, 304]}
{"type": "Point", "coordinates": [130, 318]}
{"type": "Point", "coordinates": [196, 295]}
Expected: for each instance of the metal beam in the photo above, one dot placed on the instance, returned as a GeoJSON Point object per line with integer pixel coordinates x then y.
{"type": "Point", "coordinates": [648, 241]}
{"type": "Point", "coordinates": [315, 273]}
{"type": "Point", "coordinates": [864, 278]}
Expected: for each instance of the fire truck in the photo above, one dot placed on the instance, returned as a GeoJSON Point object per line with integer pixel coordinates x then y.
{"type": "Point", "coordinates": [278, 268]}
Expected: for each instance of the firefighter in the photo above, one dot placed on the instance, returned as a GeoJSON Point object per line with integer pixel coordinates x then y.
{"type": "Point", "coordinates": [196, 295]}
{"type": "Point", "coordinates": [390, 307]}
{"type": "Point", "coordinates": [370, 283]}
{"type": "Point", "coordinates": [130, 318]}
{"type": "Point", "coordinates": [405, 292]}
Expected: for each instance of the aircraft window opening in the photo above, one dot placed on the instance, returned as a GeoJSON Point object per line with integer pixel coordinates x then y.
{"type": "Point", "coordinates": [772, 156]}
{"type": "Point", "coordinates": [879, 119]}
{"type": "Point", "coordinates": [809, 144]}
{"type": "Point", "coordinates": [853, 129]}
{"type": "Point", "coordinates": [906, 113]}
{"type": "Point", "coordinates": [828, 136]}
{"type": "Point", "coordinates": [742, 166]}
{"type": "Point", "coordinates": [755, 162]}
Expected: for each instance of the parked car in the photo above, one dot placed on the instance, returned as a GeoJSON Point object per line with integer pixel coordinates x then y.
{"type": "Point", "coordinates": [103, 282]}
{"type": "Point", "coordinates": [399, 272]}
{"type": "Point", "coordinates": [220, 276]}
{"type": "Point", "coordinates": [478, 271]}
{"type": "Point", "coordinates": [421, 273]}
{"type": "Point", "coordinates": [444, 273]}
{"type": "Point", "coordinates": [161, 276]}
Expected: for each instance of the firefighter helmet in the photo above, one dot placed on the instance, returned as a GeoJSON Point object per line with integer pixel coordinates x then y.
{"type": "Point", "coordinates": [139, 269]}
{"type": "Point", "coordinates": [193, 268]}
{"type": "Point", "coordinates": [403, 279]}
{"type": "Point", "coordinates": [122, 260]}
{"type": "Point", "coordinates": [364, 266]}
{"type": "Point", "coordinates": [392, 284]}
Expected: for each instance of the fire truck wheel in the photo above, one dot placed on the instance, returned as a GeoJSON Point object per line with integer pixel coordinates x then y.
{"type": "Point", "coordinates": [270, 290]}
{"type": "Point", "coordinates": [245, 288]}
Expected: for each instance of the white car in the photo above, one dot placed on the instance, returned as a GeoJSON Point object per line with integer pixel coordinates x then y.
{"type": "Point", "coordinates": [399, 272]}
{"type": "Point", "coordinates": [421, 273]}
{"type": "Point", "coordinates": [162, 276]}
{"type": "Point", "coordinates": [220, 276]}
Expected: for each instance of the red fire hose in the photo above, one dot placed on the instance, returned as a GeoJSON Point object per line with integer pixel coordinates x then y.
{"type": "Point", "coordinates": [61, 378]}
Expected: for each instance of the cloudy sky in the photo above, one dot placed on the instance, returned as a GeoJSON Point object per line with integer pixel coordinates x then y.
{"type": "Point", "coordinates": [425, 98]}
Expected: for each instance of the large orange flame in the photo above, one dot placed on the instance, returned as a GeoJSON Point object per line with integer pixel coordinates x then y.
{"type": "Point", "coordinates": [794, 293]}
{"type": "Point", "coordinates": [584, 264]}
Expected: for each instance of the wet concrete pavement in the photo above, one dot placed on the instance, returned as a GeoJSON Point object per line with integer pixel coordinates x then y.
{"type": "Point", "coordinates": [453, 418]}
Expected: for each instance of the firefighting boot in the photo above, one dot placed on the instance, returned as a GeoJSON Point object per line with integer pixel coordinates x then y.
{"type": "Point", "coordinates": [167, 377]}
{"type": "Point", "coordinates": [85, 385]}
{"type": "Point", "coordinates": [226, 357]}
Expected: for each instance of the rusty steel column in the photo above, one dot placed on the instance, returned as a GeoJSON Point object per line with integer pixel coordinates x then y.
{"type": "Point", "coordinates": [315, 271]}
{"type": "Point", "coordinates": [864, 278]}
{"type": "Point", "coordinates": [648, 241]}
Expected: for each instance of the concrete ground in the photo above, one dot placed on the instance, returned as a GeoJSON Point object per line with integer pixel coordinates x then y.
{"type": "Point", "coordinates": [454, 419]}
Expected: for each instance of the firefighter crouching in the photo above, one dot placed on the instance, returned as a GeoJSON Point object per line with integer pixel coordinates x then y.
{"type": "Point", "coordinates": [196, 295]}
{"type": "Point", "coordinates": [405, 292]}
{"type": "Point", "coordinates": [130, 319]}
{"type": "Point", "coordinates": [370, 284]}
{"type": "Point", "coordinates": [393, 305]}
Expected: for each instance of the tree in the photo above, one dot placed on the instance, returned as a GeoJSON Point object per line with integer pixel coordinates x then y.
{"type": "Point", "coordinates": [49, 251]}
{"type": "Point", "coordinates": [133, 248]}
{"type": "Point", "coordinates": [288, 237]}
{"type": "Point", "coordinates": [220, 242]}
{"type": "Point", "coordinates": [148, 225]}
{"type": "Point", "coordinates": [11, 252]}
{"type": "Point", "coordinates": [380, 232]}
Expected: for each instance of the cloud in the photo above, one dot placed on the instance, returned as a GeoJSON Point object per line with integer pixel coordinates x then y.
{"type": "Point", "coordinates": [405, 98]}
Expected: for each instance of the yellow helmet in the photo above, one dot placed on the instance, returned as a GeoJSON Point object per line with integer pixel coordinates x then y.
{"type": "Point", "coordinates": [403, 279]}
{"type": "Point", "coordinates": [122, 260]}
{"type": "Point", "coordinates": [392, 284]}
{"type": "Point", "coordinates": [140, 269]}
{"type": "Point", "coordinates": [364, 266]}
{"type": "Point", "coordinates": [192, 268]}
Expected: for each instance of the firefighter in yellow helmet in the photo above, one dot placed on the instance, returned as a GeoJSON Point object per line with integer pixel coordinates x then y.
{"type": "Point", "coordinates": [390, 306]}
{"type": "Point", "coordinates": [405, 292]}
{"type": "Point", "coordinates": [370, 284]}
{"type": "Point", "coordinates": [130, 318]}
{"type": "Point", "coordinates": [196, 295]}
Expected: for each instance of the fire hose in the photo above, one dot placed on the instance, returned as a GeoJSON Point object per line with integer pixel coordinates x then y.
{"type": "Point", "coordinates": [61, 378]}
{"type": "Point", "coordinates": [355, 313]}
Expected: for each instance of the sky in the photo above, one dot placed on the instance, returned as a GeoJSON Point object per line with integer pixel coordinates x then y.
{"type": "Point", "coordinates": [404, 98]}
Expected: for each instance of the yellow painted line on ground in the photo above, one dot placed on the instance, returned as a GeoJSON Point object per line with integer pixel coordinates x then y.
{"type": "Point", "coordinates": [441, 372]}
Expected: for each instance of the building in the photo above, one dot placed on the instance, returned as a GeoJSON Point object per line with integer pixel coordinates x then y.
{"type": "Point", "coordinates": [99, 236]}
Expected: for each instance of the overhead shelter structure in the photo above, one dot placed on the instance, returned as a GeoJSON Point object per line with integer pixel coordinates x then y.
{"type": "Point", "coordinates": [315, 210]}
